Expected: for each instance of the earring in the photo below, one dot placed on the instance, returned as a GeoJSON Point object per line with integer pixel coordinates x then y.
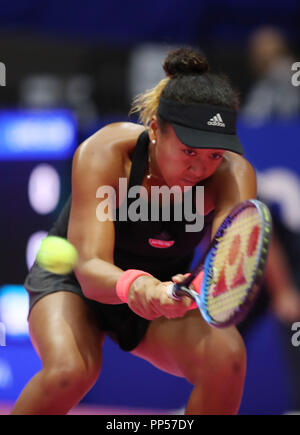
{"type": "Point", "coordinates": [153, 141]}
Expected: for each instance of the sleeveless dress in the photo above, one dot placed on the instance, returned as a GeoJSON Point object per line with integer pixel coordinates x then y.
{"type": "Point", "coordinates": [162, 248]}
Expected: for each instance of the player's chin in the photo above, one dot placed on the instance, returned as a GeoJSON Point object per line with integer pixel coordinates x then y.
{"type": "Point", "coordinates": [183, 185]}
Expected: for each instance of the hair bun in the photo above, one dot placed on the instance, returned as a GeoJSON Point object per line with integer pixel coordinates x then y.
{"type": "Point", "coordinates": [184, 61]}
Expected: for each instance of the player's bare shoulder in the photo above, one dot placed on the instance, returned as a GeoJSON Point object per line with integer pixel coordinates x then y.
{"type": "Point", "coordinates": [116, 137]}
{"type": "Point", "coordinates": [108, 149]}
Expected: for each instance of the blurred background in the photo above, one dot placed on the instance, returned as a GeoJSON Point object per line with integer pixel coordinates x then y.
{"type": "Point", "coordinates": [68, 68]}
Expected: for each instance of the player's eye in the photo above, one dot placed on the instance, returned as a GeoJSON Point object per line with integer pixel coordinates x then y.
{"type": "Point", "coordinates": [189, 153]}
{"type": "Point", "coordinates": [216, 156]}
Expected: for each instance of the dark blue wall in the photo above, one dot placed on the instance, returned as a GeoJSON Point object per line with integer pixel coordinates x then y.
{"type": "Point", "coordinates": [136, 21]}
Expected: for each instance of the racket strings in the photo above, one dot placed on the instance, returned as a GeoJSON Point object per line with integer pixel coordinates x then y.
{"type": "Point", "coordinates": [229, 305]}
{"type": "Point", "coordinates": [239, 224]}
{"type": "Point", "coordinates": [244, 267]}
{"type": "Point", "coordinates": [221, 264]}
{"type": "Point", "coordinates": [241, 229]}
{"type": "Point", "coordinates": [233, 296]}
{"type": "Point", "coordinates": [222, 242]}
{"type": "Point", "coordinates": [241, 233]}
{"type": "Point", "coordinates": [237, 229]}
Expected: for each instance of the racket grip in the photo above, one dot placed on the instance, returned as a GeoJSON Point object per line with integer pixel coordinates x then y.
{"type": "Point", "coordinates": [171, 292]}
{"type": "Point", "coordinates": [197, 284]}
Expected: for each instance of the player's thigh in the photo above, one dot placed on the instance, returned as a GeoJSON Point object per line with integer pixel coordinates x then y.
{"type": "Point", "coordinates": [64, 332]}
{"type": "Point", "coordinates": [189, 347]}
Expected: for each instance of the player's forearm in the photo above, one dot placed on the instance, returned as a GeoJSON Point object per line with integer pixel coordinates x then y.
{"type": "Point", "coordinates": [98, 279]}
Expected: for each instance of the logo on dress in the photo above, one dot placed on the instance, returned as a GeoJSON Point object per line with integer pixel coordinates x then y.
{"type": "Point", "coordinates": [162, 240]}
{"type": "Point", "coordinates": [161, 243]}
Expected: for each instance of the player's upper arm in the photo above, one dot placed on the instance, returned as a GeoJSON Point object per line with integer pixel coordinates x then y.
{"type": "Point", "coordinates": [234, 182]}
{"type": "Point", "coordinates": [97, 162]}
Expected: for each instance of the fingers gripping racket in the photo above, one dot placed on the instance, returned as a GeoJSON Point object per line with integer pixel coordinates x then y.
{"type": "Point", "coordinates": [233, 266]}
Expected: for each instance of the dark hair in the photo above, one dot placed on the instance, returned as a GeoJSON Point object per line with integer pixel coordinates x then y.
{"type": "Point", "coordinates": [191, 81]}
{"type": "Point", "coordinates": [188, 81]}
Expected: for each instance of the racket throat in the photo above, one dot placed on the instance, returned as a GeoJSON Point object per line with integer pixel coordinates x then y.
{"type": "Point", "coordinates": [181, 291]}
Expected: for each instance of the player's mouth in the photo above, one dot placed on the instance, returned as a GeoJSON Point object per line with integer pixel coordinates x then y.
{"type": "Point", "coordinates": [188, 181]}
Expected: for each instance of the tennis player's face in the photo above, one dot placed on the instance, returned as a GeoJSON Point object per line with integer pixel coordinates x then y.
{"type": "Point", "coordinates": [181, 165]}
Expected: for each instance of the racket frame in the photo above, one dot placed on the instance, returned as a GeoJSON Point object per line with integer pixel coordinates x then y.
{"type": "Point", "coordinates": [182, 288]}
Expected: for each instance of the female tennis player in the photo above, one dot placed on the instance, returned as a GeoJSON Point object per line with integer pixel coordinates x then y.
{"type": "Point", "coordinates": [188, 139]}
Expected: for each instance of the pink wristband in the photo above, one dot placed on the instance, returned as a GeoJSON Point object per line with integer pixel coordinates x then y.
{"type": "Point", "coordinates": [125, 281]}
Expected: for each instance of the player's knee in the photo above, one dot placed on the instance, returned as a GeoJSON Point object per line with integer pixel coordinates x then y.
{"type": "Point", "coordinates": [235, 359]}
{"type": "Point", "coordinates": [219, 358]}
{"type": "Point", "coordinates": [72, 377]}
{"type": "Point", "coordinates": [230, 357]}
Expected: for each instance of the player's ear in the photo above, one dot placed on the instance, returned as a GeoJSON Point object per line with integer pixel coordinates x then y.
{"type": "Point", "coordinates": [153, 128]}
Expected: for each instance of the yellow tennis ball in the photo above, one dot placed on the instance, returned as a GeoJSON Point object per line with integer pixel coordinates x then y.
{"type": "Point", "coordinates": [57, 255]}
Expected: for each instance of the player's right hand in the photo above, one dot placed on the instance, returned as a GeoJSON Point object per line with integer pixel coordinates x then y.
{"type": "Point", "coordinates": [149, 299]}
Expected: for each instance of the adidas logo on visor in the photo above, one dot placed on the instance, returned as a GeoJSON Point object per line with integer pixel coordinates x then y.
{"type": "Point", "coordinates": [216, 121]}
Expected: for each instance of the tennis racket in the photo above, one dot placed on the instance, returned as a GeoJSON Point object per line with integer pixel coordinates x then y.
{"type": "Point", "coordinates": [232, 265]}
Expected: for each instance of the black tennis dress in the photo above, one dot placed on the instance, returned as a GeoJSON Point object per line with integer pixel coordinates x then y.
{"type": "Point", "coordinates": [162, 248]}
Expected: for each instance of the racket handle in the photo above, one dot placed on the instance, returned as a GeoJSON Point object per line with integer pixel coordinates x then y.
{"type": "Point", "coordinates": [175, 291]}
{"type": "Point", "coordinates": [172, 292]}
